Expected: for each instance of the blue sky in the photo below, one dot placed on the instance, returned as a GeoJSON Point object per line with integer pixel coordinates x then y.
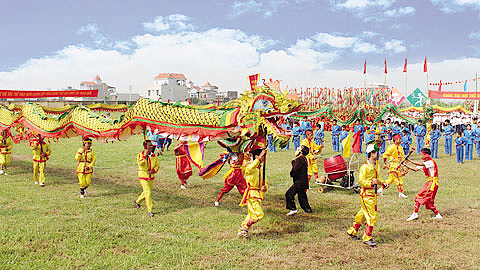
{"type": "Point", "coordinates": [53, 44]}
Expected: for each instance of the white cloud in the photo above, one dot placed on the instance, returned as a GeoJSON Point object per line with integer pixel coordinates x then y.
{"type": "Point", "coordinates": [474, 35]}
{"type": "Point", "coordinates": [452, 6]}
{"type": "Point", "coordinates": [240, 8]}
{"type": "Point", "coordinates": [174, 22]}
{"type": "Point", "coordinates": [334, 40]}
{"type": "Point", "coordinates": [395, 45]}
{"type": "Point", "coordinates": [224, 57]}
{"type": "Point", "coordinates": [402, 11]}
{"type": "Point", "coordinates": [365, 47]}
{"type": "Point", "coordinates": [361, 4]}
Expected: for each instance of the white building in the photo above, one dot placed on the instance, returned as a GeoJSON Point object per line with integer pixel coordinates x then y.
{"type": "Point", "coordinates": [105, 92]}
{"type": "Point", "coordinates": [168, 87]}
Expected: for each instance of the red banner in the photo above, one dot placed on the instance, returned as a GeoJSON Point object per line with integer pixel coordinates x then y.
{"type": "Point", "coordinates": [47, 94]}
{"type": "Point", "coordinates": [453, 95]}
{"type": "Point", "coordinates": [253, 81]}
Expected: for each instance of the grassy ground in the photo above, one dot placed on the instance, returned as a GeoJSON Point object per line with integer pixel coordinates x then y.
{"type": "Point", "coordinates": [52, 228]}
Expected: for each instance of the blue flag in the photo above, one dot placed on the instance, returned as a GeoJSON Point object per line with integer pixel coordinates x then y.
{"type": "Point", "coordinates": [465, 86]}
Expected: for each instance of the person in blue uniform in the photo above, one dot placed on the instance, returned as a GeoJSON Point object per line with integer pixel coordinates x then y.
{"type": "Point", "coordinates": [448, 132]}
{"type": "Point", "coordinates": [271, 143]}
{"type": "Point", "coordinates": [469, 137]}
{"type": "Point", "coordinates": [343, 135]}
{"type": "Point", "coordinates": [406, 142]}
{"type": "Point", "coordinates": [404, 126]}
{"type": "Point", "coordinates": [434, 137]}
{"type": "Point", "coordinates": [319, 135]}
{"type": "Point", "coordinates": [396, 129]}
{"type": "Point", "coordinates": [370, 135]}
{"type": "Point", "coordinates": [336, 129]}
{"type": "Point", "coordinates": [359, 127]}
{"type": "Point", "coordinates": [384, 135]}
{"type": "Point", "coordinates": [459, 146]}
{"type": "Point", "coordinates": [286, 125]}
{"type": "Point", "coordinates": [420, 131]}
{"type": "Point", "coordinates": [296, 132]}
{"type": "Point", "coordinates": [305, 125]}
{"type": "Point", "coordinates": [389, 126]}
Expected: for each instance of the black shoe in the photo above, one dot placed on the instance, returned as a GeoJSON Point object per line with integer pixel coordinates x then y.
{"type": "Point", "coordinates": [136, 205]}
{"type": "Point", "coordinates": [354, 237]}
{"type": "Point", "coordinates": [370, 243]}
{"type": "Point", "coordinates": [308, 211]}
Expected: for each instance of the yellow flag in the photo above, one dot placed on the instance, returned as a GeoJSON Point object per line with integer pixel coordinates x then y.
{"type": "Point", "coordinates": [347, 146]}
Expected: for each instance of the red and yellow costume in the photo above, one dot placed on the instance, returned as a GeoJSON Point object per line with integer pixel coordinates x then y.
{"type": "Point", "coordinates": [368, 200]}
{"type": "Point", "coordinates": [6, 144]}
{"type": "Point", "coordinates": [234, 177]}
{"type": "Point", "coordinates": [41, 152]}
{"type": "Point", "coordinates": [182, 163]}
{"type": "Point", "coordinates": [312, 160]}
{"type": "Point", "coordinates": [86, 161]}
{"type": "Point", "coordinates": [427, 194]}
{"type": "Point", "coordinates": [147, 163]}
{"type": "Point", "coordinates": [395, 155]}
{"type": "Point", "coordinates": [254, 195]}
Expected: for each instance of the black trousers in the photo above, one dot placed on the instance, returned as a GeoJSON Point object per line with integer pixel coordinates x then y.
{"type": "Point", "coordinates": [302, 199]}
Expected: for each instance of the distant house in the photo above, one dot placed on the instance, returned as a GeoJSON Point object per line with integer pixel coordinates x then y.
{"type": "Point", "coordinates": [168, 87]}
{"type": "Point", "coordinates": [208, 92]}
{"type": "Point", "coordinates": [105, 91]}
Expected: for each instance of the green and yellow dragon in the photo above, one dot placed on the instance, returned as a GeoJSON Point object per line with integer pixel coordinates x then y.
{"type": "Point", "coordinates": [255, 113]}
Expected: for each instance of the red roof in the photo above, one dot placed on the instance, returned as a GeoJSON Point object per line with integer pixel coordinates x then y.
{"type": "Point", "coordinates": [207, 84]}
{"type": "Point", "coordinates": [196, 87]}
{"type": "Point", "coordinates": [170, 76]}
{"type": "Point", "coordinates": [97, 78]}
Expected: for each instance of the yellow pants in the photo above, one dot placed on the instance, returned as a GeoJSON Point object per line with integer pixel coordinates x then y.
{"type": "Point", "coordinates": [312, 167]}
{"type": "Point", "coordinates": [395, 175]}
{"type": "Point", "coordinates": [4, 160]}
{"type": "Point", "coordinates": [147, 187]}
{"type": "Point", "coordinates": [39, 172]}
{"type": "Point", "coordinates": [255, 212]}
{"type": "Point", "coordinates": [84, 179]}
{"type": "Point", "coordinates": [368, 214]}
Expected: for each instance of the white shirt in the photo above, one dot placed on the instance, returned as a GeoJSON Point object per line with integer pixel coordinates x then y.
{"type": "Point", "coordinates": [429, 165]}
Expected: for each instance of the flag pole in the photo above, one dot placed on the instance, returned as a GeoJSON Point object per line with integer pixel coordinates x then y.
{"type": "Point", "coordinates": [475, 109]}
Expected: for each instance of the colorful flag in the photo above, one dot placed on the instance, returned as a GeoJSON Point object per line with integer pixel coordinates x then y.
{"type": "Point", "coordinates": [465, 86]}
{"type": "Point", "coordinates": [347, 146]}
{"type": "Point", "coordinates": [253, 81]}
{"type": "Point", "coordinates": [405, 65]}
{"type": "Point", "coordinates": [385, 65]}
{"type": "Point", "coordinates": [365, 67]}
{"type": "Point", "coordinates": [417, 98]}
{"type": "Point", "coordinates": [396, 97]}
{"type": "Point", "coordinates": [425, 65]}
{"type": "Point", "coordinates": [356, 142]}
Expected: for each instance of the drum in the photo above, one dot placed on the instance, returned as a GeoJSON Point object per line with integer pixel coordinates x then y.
{"type": "Point", "coordinates": [335, 167]}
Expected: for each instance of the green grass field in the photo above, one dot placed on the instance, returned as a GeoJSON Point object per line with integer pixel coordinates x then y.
{"type": "Point", "coordinates": [52, 228]}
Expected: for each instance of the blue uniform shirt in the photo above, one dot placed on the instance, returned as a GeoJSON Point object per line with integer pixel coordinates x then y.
{"type": "Point", "coordinates": [296, 131]}
{"type": "Point", "coordinates": [435, 134]}
{"type": "Point", "coordinates": [469, 136]}
{"type": "Point", "coordinates": [420, 131]}
{"type": "Point", "coordinates": [336, 130]}
{"type": "Point", "coordinates": [449, 131]}
{"type": "Point", "coordinates": [460, 142]}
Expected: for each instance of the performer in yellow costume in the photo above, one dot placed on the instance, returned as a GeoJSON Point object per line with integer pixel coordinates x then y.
{"type": "Point", "coordinates": [41, 153]}
{"type": "Point", "coordinates": [86, 160]}
{"type": "Point", "coordinates": [312, 160]}
{"type": "Point", "coordinates": [6, 143]}
{"type": "Point", "coordinates": [256, 190]}
{"type": "Point", "coordinates": [147, 168]}
{"type": "Point", "coordinates": [369, 180]}
{"type": "Point", "coordinates": [395, 155]}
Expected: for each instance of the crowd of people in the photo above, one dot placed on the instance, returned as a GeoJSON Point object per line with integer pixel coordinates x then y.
{"type": "Point", "coordinates": [247, 176]}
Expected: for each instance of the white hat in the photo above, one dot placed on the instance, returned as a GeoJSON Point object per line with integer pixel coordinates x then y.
{"type": "Point", "coordinates": [370, 148]}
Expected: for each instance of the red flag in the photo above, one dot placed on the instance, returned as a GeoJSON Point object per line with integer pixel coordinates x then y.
{"type": "Point", "coordinates": [385, 65]}
{"type": "Point", "coordinates": [189, 101]}
{"type": "Point", "coordinates": [425, 65]}
{"type": "Point", "coordinates": [365, 67]}
{"type": "Point", "coordinates": [440, 86]}
{"type": "Point", "coordinates": [253, 81]}
{"type": "Point", "coordinates": [405, 66]}
{"type": "Point", "coordinates": [218, 102]}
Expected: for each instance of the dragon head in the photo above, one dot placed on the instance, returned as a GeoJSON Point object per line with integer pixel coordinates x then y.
{"type": "Point", "coordinates": [261, 112]}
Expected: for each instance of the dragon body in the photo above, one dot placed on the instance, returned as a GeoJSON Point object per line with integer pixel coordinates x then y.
{"type": "Point", "coordinates": [253, 114]}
